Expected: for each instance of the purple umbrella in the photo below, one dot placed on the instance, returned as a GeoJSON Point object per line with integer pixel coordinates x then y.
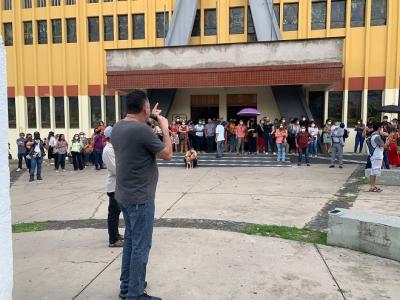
{"type": "Point", "coordinates": [249, 112]}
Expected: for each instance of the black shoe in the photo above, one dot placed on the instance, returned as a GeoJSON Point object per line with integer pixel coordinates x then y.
{"type": "Point", "coordinates": [331, 166]}
{"type": "Point", "coordinates": [147, 297]}
{"type": "Point", "coordinates": [340, 167]}
{"type": "Point", "coordinates": [97, 169]}
{"type": "Point", "coordinates": [308, 165]}
{"type": "Point", "coordinates": [299, 165]}
{"type": "Point", "coordinates": [123, 295]}
{"type": "Point", "coordinates": [39, 178]}
{"type": "Point", "coordinates": [31, 178]}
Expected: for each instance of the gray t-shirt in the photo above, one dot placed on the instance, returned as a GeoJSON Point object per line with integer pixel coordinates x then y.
{"type": "Point", "coordinates": [210, 127]}
{"type": "Point", "coordinates": [135, 146]}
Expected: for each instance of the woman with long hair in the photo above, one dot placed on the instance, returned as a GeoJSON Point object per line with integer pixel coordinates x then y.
{"type": "Point", "coordinates": [76, 152]}
{"type": "Point", "coordinates": [62, 149]}
{"type": "Point", "coordinates": [36, 155]}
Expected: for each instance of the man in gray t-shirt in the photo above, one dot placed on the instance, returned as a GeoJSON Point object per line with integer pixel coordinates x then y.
{"type": "Point", "coordinates": [136, 148]}
{"type": "Point", "coordinates": [210, 135]}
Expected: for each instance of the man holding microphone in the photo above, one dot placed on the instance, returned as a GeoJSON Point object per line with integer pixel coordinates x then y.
{"type": "Point", "coordinates": [136, 148]}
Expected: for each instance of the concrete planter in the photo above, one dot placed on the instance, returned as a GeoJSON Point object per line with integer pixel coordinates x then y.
{"type": "Point", "coordinates": [388, 177]}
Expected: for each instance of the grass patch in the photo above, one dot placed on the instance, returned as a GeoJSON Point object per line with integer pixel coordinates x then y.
{"type": "Point", "coordinates": [288, 233]}
{"type": "Point", "coordinates": [363, 180]}
{"type": "Point", "coordinates": [29, 227]}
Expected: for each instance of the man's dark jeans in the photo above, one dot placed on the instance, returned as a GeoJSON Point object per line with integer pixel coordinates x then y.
{"type": "Point", "coordinates": [113, 218]}
{"type": "Point", "coordinates": [98, 158]}
{"type": "Point", "coordinates": [77, 160]}
{"type": "Point", "coordinates": [21, 156]}
{"type": "Point", "coordinates": [304, 151]}
{"type": "Point", "coordinates": [139, 221]}
{"type": "Point", "coordinates": [210, 143]}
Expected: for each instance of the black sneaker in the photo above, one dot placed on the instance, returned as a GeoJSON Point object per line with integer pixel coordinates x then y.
{"type": "Point", "coordinates": [39, 178]}
{"type": "Point", "coordinates": [31, 178]}
{"type": "Point", "coordinates": [147, 297]}
{"type": "Point", "coordinates": [308, 165]}
{"type": "Point", "coordinates": [331, 166]}
{"type": "Point", "coordinates": [340, 167]}
{"type": "Point", "coordinates": [123, 295]}
{"type": "Point", "coordinates": [299, 165]}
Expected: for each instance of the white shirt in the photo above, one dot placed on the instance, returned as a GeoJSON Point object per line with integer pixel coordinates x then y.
{"type": "Point", "coordinates": [378, 152]}
{"type": "Point", "coordinates": [199, 130]}
{"type": "Point", "coordinates": [52, 141]}
{"type": "Point", "coordinates": [220, 132]}
{"type": "Point", "coordinates": [37, 149]}
{"type": "Point", "coordinates": [313, 131]}
{"type": "Point", "coordinates": [109, 160]}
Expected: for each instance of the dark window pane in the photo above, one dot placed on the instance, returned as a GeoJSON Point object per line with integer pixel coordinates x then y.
{"type": "Point", "coordinates": [162, 24]}
{"type": "Point", "coordinates": [71, 30]}
{"type": "Point", "coordinates": [31, 111]}
{"type": "Point", "coordinates": [354, 109]}
{"type": "Point", "coordinates": [318, 15]}
{"type": "Point", "coordinates": [317, 104]}
{"type": "Point", "coordinates": [138, 26]}
{"type": "Point", "coordinates": [335, 106]}
{"type": "Point", "coordinates": [277, 12]}
{"type": "Point", "coordinates": [28, 37]}
{"type": "Point", "coordinates": [42, 31]}
{"type": "Point", "coordinates": [108, 28]}
{"type": "Point", "coordinates": [290, 16]}
{"type": "Point", "coordinates": [378, 12]}
{"type": "Point", "coordinates": [122, 106]}
{"type": "Point", "coordinates": [210, 22]}
{"type": "Point", "coordinates": [59, 112]}
{"type": "Point", "coordinates": [357, 13]}
{"type": "Point", "coordinates": [251, 31]}
{"type": "Point", "coordinates": [12, 114]}
{"type": "Point", "coordinates": [374, 104]}
{"type": "Point", "coordinates": [56, 31]}
{"type": "Point", "coordinates": [338, 14]}
{"type": "Point", "coordinates": [8, 34]}
{"type": "Point", "coordinates": [73, 112]}
{"type": "Point", "coordinates": [110, 110]}
{"type": "Point", "coordinates": [95, 111]}
{"type": "Point", "coordinates": [93, 26]}
{"type": "Point", "coordinates": [236, 20]}
{"type": "Point", "coordinates": [196, 25]}
{"type": "Point", "coordinates": [45, 112]}
{"type": "Point", "coordinates": [123, 27]}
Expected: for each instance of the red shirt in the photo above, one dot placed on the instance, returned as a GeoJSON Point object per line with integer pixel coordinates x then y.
{"type": "Point", "coordinates": [303, 139]}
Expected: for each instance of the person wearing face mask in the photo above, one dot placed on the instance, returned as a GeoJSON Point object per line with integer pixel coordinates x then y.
{"type": "Point", "coordinates": [192, 134]}
{"type": "Point", "coordinates": [183, 136]}
{"type": "Point", "coordinates": [199, 131]}
{"type": "Point", "coordinates": [281, 140]}
{"type": "Point", "coordinates": [76, 152]}
{"type": "Point", "coordinates": [231, 130]}
{"type": "Point", "coordinates": [21, 150]}
{"type": "Point", "coordinates": [62, 149]}
{"type": "Point", "coordinates": [267, 136]}
{"type": "Point", "coordinates": [359, 140]}
{"type": "Point", "coordinates": [326, 137]}
{"type": "Point", "coordinates": [313, 147]}
{"type": "Point", "coordinates": [210, 135]}
{"type": "Point", "coordinates": [260, 137]}
{"type": "Point", "coordinates": [304, 122]}
{"type": "Point", "coordinates": [36, 154]}
{"type": "Point", "coordinates": [241, 132]}
{"type": "Point", "coordinates": [337, 144]}
{"type": "Point", "coordinates": [303, 140]}
{"type": "Point", "coordinates": [293, 130]}
{"type": "Point", "coordinates": [51, 145]}
{"type": "Point", "coordinates": [28, 146]}
{"type": "Point", "coordinates": [252, 136]}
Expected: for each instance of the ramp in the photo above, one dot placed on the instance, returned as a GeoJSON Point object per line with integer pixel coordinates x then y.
{"type": "Point", "coordinates": [164, 97]}
{"type": "Point", "coordinates": [291, 101]}
{"type": "Point", "coordinates": [181, 26]}
{"type": "Point", "coordinates": [264, 20]}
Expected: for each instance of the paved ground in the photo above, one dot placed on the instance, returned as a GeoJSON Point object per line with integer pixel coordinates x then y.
{"type": "Point", "coordinates": [197, 263]}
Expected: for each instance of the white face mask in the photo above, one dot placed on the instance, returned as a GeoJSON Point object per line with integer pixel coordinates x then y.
{"type": "Point", "coordinates": [241, 123]}
{"type": "Point", "coordinates": [312, 125]}
{"type": "Point", "coordinates": [303, 130]}
{"type": "Point", "coordinates": [281, 127]}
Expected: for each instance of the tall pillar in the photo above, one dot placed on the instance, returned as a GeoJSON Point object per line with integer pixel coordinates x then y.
{"type": "Point", "coordinates": [345, 105]}
{"type": "Point", "coordinates": [223, 105]}
{"type": "Point", "coordinates": [364, 105]}
{"type": "Point", "coordinates": [326, 105]}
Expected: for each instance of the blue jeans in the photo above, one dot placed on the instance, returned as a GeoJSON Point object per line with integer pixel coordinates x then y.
{"type": "Point", "coordinates": [61, 161]}
{"type": "Point", "coordinates": [210, 143]}
{"type": "Point", "coordinates": [21, 156]}
{"type": "Point", "coordinates": [199, 143]}
{"type": "Point", "coordinates": [313, 147]}
{"type": "Point", "coordinates": [359, 141]}
{"type": "Point", "coordinates": [98, 158]}
{"type": "Point", "coordinates": [139, 221]}
{"type": "Point", "coordinates": [220, 148]}
{"type": "Point", "coordinates": [267, 141]}
{"type": "Point", "coordinates": [281, 151]}
{"type": "Point", "coordinates": [303, 151]}
{"type": "Point", "coordinates": [232, 142]}
{"type": "Point", "coordinates": [36, 162]}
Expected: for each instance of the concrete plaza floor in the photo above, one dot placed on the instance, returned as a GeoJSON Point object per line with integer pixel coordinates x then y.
{"type": "Point", "coordinates": [196, 263]}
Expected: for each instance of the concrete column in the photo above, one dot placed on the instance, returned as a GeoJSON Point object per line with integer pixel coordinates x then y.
{"type": "Point", "coordinates": [103, 108]}
{"type": "Point", "coordinates": [223, 105]}
{"type": "Point", "coordinates": [66, 112]}
{"type": "Point", "coordinates": [326, 105]}
{"type": "Point", "coordinates": [52, 113]}
{"type": "Point", "coordinates": [84, 114]}
{"type": "Point", "coordinates": [117, 107]}
{"type": "Point", "coordinates": [364, 105]}
{"type": "Point", "coordinates": [22, 117]}
{"type": "Point", "coordinates": [38, 113]}
{"type": "Point", "coordinates": [345, 105]}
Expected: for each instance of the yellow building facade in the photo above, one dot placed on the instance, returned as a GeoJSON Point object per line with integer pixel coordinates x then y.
{"type": "Point", "coordinates": [56, 53]}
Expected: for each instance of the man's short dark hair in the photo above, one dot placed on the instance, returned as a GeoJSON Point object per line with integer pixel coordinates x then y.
{"type": "Point", "coordinates": [376, 126]}
{"type": "Point", "coordinates": [135, 101]}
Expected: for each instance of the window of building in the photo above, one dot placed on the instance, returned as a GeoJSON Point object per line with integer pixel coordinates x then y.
{"type": "Point", "coordinates": [28, 36]}
{"type": "Point", "coordinates": [73, 104]}
{"type": "Point", "coordinates": [110, 110]}
{"type": "Point", "coordinates": [108, 0]}
{"type": "Point", "coordinates": [27, 4]}
{"type": "Point", "coordinates": [31, 112]}
{"type": "Point", "coordinates": [95, 111]}
{"type": "Point", "coordinates": [71, 30]}
{"type": "Point", "coordinates": [12, 113]}
{"type": "Point", "coordinates": [56, 31]}
{"type": "Point", "coordinates": [8, 34]}
{"type": "Point", "coordinates": [374, 103]}
{"type": "Point", "coordinates": [162, 24]}
{"type": "Point", "coordinates": [338, 14]}
{"type": "Point", "coordinates": [70, 2]}
{"type": "Point", "coordinates": [277, 12]}
{"type": "Point", "coordinates": [251, 30]}
{"type": "Point", "coordinates": [41, 3]}
{"type": "Point", "coordinates": [210, 22]}
{"type": "Point", "coordinates": [236, 20]}
{"type": "Point", "coordinates": [290, 16]}
{"type": "Point", "coordinates": [42, 31]}
{"type": "Point", "coordinates": [59, 112]}
{"type": "Point", "coordinates": [138, 30]}
{"type": "Point", "coordinates": [45, 112]}
{"type": "Point", "coordinates": [354, 108]}
{"type": "Point", "coordinates": [357, 13]}
{"type": "Point", "coordinates": [318, 15]}
{"type": "Point", "coordinates": [93, 27]}
{"type": "Point", "coordinates": [196, 31]}
{"type": "Point", "coordinates": [317, 104]}
{"type": "Point", "coordinates": [122, 107]}
{"type": "Point", "coordinates": [335, 106]}
{"type": "Point", "coordinates": [378, 12]}
{"type": "Point", "coordinates": [122, 27]}
{"type": "Point", "coordinates": [7, 4]}
{"type": "Point", "coordinates": [108, 22]}
{"type": "Point", "coordinates": [55, 2]}
{"type": "Point", "coordinates": [93, 1]}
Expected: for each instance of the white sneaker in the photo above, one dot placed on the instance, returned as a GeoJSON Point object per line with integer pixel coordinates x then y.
{"type": "Point", "coordinates": [57, 171]}
{"type": "Point", "coordinates": [19, 170]}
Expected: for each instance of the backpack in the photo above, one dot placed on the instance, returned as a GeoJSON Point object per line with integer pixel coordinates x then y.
{"type": "Point", "coordinates": [346, 134]}
{"type": "Point", "coordinates": [371, 148]}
